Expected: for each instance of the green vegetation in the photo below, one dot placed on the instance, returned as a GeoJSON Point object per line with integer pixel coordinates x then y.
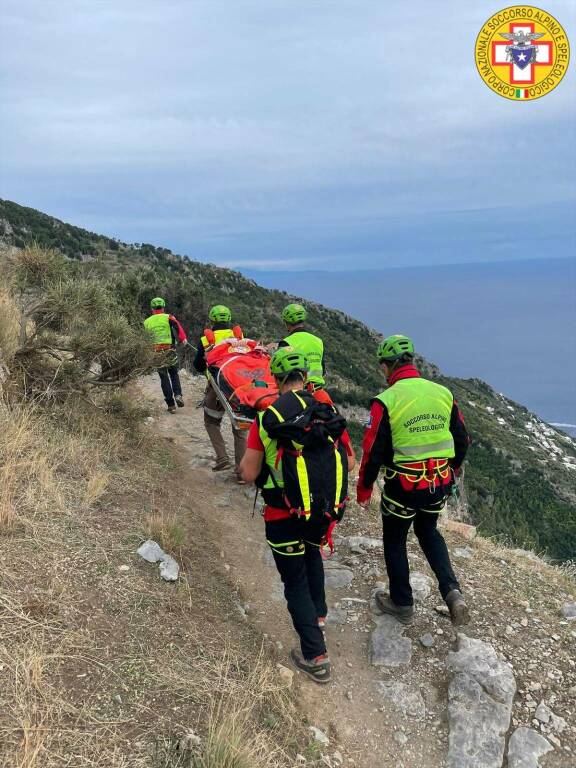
{"type": "Point", "coordinates": [519, 481]}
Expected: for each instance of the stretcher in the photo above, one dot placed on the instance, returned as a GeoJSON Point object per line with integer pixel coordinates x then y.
{"type": "Point", "coordinates": [239, 373]}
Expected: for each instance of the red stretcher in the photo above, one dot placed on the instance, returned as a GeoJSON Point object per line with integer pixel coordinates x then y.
{"type": "Point", "coordinates": [239, 372]}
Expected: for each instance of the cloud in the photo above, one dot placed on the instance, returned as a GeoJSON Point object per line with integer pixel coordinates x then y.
{"type": "Point", "coordinates": [184, 121]}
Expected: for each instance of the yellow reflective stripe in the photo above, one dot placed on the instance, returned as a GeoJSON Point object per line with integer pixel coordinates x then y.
{"type": "Point", "coordinates": [299, 544]}
{"type": "Point", "coordinates": [300, 400]}
{"type": "Point", "coordinates": [303, 482]}
{"type": "Point", "coordinates": [338, 478]}
{"type": "Point", "coordinates": [415, 450]}
{"type": "Point", "coordinates": [396, 504]}
{"type": "Point", "coordinates": [398, 413]}
{"type": "Point", "coordinates": [290, 554]}
{"type": "Point", "coordinates": [277, 413]}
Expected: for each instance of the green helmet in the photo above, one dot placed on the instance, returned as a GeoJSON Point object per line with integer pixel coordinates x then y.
{"type": "Point", "coordinates": [220, 314]}
{"type": "Point", "coordinates": [294, 314]}
{"type": "Point", "coordinates": [287, 360]}
{"type": "Point", "coordinates": [157, 303]}
{"type": "Point", "coordinates": [393, 347]}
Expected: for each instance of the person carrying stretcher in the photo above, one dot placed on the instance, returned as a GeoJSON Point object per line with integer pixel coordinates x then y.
{"type": "Point", "coordinates": [221, 328]}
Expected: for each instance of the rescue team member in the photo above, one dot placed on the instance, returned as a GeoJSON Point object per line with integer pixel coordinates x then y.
{"type": "Point", "coordinates": [417, 434]}
{"type": "Point", "coordinates": [221, 328]}
{"type": "Point", "coordinates": [295, 542]}
{"type": "Point", "coordinates": [294, 317]}
{"type": "Point", "coordinates": [166, 332]}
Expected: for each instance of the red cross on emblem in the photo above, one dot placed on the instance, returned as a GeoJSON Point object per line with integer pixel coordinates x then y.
{"type": "Point", "coordinates": [517, 75]}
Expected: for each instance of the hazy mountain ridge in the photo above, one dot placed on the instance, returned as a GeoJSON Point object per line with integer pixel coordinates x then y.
{"type": "Point", "coordinates": [521, 474]}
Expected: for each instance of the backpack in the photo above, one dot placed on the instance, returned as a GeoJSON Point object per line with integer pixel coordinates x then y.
{"type": "Point", "coordinates": [314, 460]}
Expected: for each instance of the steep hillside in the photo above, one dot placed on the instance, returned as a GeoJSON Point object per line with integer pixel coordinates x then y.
{"type": "Point", "coordinates": [521, 475]}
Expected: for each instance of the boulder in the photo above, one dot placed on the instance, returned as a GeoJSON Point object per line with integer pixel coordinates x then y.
{"type": "Point", "coordinates": [526, 747]}
{"type": "Point", "coordinates": [169, 568]}
{"type": "Point", "coordinates": [480, 698]}
{"type": "Point", "coordinates": [569, 611]}
{"type": "Point", "coordinates": [151, 551]}
{"type": "Point", "coordinates": [388, 646]}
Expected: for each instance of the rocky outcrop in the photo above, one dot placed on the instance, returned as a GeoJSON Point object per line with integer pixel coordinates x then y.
{"type": "Point", "coordinates": [526, 747]}
{"type": "Point", "coordinates": [405, 699]}
{"type": "Point", "coordinates": [480, 699]}
{"type": "Point", "coordinates": [389, 648]}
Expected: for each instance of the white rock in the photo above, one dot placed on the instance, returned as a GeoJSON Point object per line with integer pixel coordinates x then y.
{"type": "Point", "coordinates": [388, 646]}
{"type": "Point", "coordinates": [569, 611]}
{"type": "Point", "coordinates": [545, 715]}
{"type": "Point", "coordinates": [285, 674]}
{"type": "Point", "coordinates": [169, 568]}
{"type": "Point", "coordinates": [319, 735]}
{"type": "Point", "coordinates": [151, 551]}
{"type": "Point", "coordinates": [525, 748]}
{"type": "Point", "coordinates": [337, 576]}
{"type": "Point", "coordinates": [405, 698]}
{"type": "Point", "coordinates": [480, 705]}
{"type": "Point", "coordinates": [421, 585]}
{"type": "Point", "coordinates": [363, 542]}
{"type": "Point", "coordinates": [400, 738]}
{"type": "Point", "coordinates": [464, 552]}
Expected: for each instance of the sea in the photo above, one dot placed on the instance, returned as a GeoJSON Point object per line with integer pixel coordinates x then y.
{"type": "Point", "coordinates": [512, 324]}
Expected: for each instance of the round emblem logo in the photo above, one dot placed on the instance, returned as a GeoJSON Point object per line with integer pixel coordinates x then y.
{"type": "Point", "coordinates": [522, 52]}
{"type": "Point", "coordinates": [289, 549]}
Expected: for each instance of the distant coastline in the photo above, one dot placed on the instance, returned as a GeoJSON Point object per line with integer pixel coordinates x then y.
{"type": "Point", "coordinates": [508, 323]}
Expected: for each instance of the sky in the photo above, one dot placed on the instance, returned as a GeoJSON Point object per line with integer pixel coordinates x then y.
{"type": "Point", "coordinates": [283, 134]}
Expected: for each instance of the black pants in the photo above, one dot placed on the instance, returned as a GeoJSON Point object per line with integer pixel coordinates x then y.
{"type": "Point", "coordinates": [296, 551]}
{"type": "Point", "coordinates": [170, 383]}
{"type": "Point", "coordinates": [395, 531]}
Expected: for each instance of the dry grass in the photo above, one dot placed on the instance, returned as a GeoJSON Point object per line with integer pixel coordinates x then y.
{"type": "Point", "coordinates": [47, 469]}
{"type": "Point", "coordinates": [76, 633]}
{"type": "Point", "coordinates": [166, 529]}
{"type": "Point", "coordinates": [9, 327]}
{"type": "Point", "coordinates": [249, 713]}
{"type": "Point", "coordinates": [102, 665]}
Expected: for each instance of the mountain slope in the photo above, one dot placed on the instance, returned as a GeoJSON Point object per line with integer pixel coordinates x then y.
{"type": "Point", "coordinates": [521, 473]}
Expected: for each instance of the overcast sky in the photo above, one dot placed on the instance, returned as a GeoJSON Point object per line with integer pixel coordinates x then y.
{"type": "Point", "coordinates": [283, 133]}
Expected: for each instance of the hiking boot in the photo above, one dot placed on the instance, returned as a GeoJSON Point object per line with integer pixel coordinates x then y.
{"type": "Point", "coordinates": [221, 465]}
{"type": "Point", "coordinates": [402, 613]}
{"type": "Point", "coordinates": [171, 409]}
{"type": "Point", "coordinates": [459, 611]}
{"type": "Point", "coordinates": [317, 669]}
{"type": "Point", "coordinates": [179, 401]}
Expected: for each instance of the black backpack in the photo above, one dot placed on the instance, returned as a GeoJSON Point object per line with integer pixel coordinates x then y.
{"type": "Point", "coordinates": [313, 459]}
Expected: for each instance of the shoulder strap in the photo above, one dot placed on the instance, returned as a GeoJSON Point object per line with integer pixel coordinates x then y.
{"type": "Point", "coordinates": [210, 336]}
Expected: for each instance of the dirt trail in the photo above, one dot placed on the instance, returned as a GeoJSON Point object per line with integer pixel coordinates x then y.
{"type": "Point", "coordinates": [366, 729]}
